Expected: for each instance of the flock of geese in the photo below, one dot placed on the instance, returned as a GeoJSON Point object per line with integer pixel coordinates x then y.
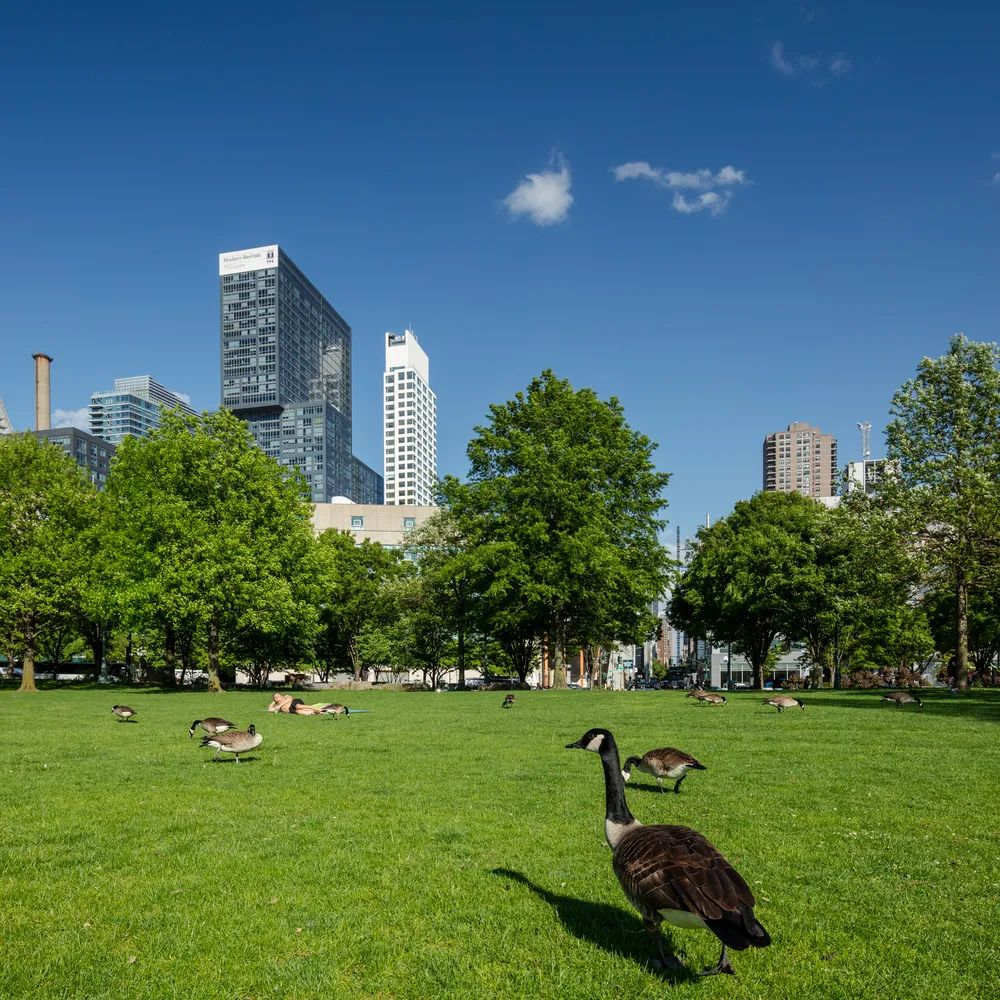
{"type": "Point", "coordinates": [669, 873]}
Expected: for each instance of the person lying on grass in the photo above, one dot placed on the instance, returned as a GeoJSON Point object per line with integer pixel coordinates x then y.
{"type": "Point", "coordinates": [294, 706]}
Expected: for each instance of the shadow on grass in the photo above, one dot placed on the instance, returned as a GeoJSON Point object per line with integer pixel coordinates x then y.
{"type": "Point", "coordinates": [668, 787]}
{"type": "Point", "coordinates": [608, 927]}
{"type": "Point", "coordinates": [231, 760]}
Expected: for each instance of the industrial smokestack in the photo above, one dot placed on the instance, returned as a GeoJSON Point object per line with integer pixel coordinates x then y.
{"type": "Point", "coordinates": [43, 396]}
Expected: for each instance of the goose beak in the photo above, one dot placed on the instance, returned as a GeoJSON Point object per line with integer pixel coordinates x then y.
{"type": "Point", "coordinates": [578, 745]}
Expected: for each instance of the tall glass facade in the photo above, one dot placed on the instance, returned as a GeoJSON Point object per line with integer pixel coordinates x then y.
{"type": "Point", "coordinates": [134, 406]}
{"type": "Point", "coordinates": [286, 367]}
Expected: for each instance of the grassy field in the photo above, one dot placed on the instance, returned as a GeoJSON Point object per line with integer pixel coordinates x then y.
{"type": "Point", "coordinates": [441, 847]}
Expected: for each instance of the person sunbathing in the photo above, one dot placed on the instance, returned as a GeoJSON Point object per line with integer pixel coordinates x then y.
{"type": "Point", "coordinates": [294, 706]}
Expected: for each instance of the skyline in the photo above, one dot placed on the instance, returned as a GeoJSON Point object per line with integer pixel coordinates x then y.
{"type": "Point", "coordinates": [658, 204]}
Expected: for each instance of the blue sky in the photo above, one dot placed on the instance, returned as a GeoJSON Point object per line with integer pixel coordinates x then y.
{"type": "Point", "coordinates": [809, 203]}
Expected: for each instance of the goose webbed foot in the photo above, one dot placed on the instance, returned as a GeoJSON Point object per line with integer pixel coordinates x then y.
{"type": "Point", "coordinates": [662, 959]}
{"type": "Point", "coordinates": [723, 966]}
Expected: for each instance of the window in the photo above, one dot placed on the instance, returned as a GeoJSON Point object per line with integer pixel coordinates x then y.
{"type": "Point", "coordinates": [408, 523]}
{"type": "Point", "coordinates": [357, 521]}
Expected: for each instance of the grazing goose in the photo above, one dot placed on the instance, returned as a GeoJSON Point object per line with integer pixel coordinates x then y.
{"type": "Point", "coordinates": [695, 692]}
{"type": "Point", "coordinates": [123, 712]}
{"type": "Point", "coordinates": [711, 699]}
{"type": "Point", "coordinates": [336, 711]}
{"type": "Point", "coordinates": [235, 742]}
{"type": "Point", "coordinates": [902, 698]}
{"type": "Point", "coordinates": [667, 762]}
{"type": "Point", "coordinates": [781, 702]}
{"type": "Point", "coordinates": [673, 873]}
{"type": "Point", "coordinates": [213, 725]}
{"type": "Point", "coordinates": [508, 701]}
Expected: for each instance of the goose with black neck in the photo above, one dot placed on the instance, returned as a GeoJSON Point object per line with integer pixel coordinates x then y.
{"type": "Point", "coordinates": [673, 873]}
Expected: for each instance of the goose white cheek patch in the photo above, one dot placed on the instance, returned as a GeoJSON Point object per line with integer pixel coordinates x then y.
{"type": "Point", "coordinates": [595, 744]}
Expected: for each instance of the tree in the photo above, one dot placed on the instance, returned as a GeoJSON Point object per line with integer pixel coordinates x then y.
{"type": "Point", "coordinates": [46, 503]}
{"type": "Point", "coordinates": [357, 594]}
{"type": "Point", "coordinates": [943, 474]}
{"type": "Point", "coordinates": [561, 507]}
{"type": "Point", "coordinates": [743, 583]}
{"type": "Point", "coordinates": [210, 535]}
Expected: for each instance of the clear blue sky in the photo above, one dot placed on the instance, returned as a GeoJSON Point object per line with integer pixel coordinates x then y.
{"type": "Point", "coordinates": [381, 144]}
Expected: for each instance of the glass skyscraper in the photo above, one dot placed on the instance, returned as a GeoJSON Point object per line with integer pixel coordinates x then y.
{"type": "Point", "coordinates": [286, 367]}
{"type": "Point", "coordinates": [134, 406]}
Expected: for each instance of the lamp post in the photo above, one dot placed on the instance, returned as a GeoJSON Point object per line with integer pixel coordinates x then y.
{"type": "Point", "coordinates": [104, 678]}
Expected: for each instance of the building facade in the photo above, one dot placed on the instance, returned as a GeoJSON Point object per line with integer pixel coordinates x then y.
{"type": "Point", "coordinates": [286, 367]}
{"type": "Point", "coordinates": [6, 427]}
{"type": "Point", "coordinates": [134, 406]}
{"type": "Point", "coordinates": [409, 423]}
{"type": "Point", "coordinates": [865, 475]}
{"type": "Point", "coordinates": [92, 454]}
{"type": "Point", "coordinates": [367, 485]}
{"type": "Point", "coordinates": [382, 523]}
{"type": "Point", "coordinates": [801, 459]}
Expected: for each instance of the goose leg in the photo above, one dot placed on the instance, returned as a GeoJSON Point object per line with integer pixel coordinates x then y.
{"type": "Point", "coordinates": [664, 959]}
{"type": "Point", "coordinates": [659, 781]}
{"type": "Point", "coordinates": [722, 966]}
{"type": "Point", "coordinates": [677, 784]}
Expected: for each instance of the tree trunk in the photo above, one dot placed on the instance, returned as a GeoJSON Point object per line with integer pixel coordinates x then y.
{"type": "Point", "coordinates": [961, 631]}
{"type": "Point", "coordinates": [214, 684]}
{"type": "Point", "coordinates": [96, 644]}
{"type": "Point", "coordinates": [170, 656]}
{"type": "Point", "coordinates": [355, 655]}
{"type": "Point", "coordinates": [559, 671]}
{"type": "Point", "coordinates": [461, 659]}
{"type": "Point", "coordinates": [28, 664]}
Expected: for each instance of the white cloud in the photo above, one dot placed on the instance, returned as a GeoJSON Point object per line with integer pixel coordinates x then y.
{"type": "Point", "coordinates": [996, 178]}
{"type": "Point", "coordinates": [840, 65]}
{"type": "Point", "coordinates": [808, 66]}
{"type": "Point", "coordinates": [72, 418]}
{"type": "Point", "coordinates": [779, 62]}
{"type": "Point", "coordinates": [545, 197]}
{"type": "Point", "coordinates": [711, 200]}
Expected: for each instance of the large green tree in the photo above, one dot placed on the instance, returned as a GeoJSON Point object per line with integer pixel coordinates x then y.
{"type": "Point", "coordinates": [943, 474]}
{"type": "Point", "coordinates": [745, 582]}
{"type": "Point", "coordinates": [46, 506]}
{"type": "Point", "coordinates": [562, 500]}
{"type": "Point", "coordinates": [357, 588]}
{"type": "Point", "coordinates": [211, 535]}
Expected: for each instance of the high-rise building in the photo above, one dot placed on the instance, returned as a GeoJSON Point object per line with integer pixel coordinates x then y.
{"type": "Point", "coordinates": [134, 406]}
{"type": "Point", "coordinates": [6, 427]}
{"type": "Point", "coordinates": [801, 459]}
{"type": "Point", "coordinates": [410, 423]}
{"type": "Point", "coordinates": [92, 454]}
{"type": "Point", "coordinates": [286, 367]}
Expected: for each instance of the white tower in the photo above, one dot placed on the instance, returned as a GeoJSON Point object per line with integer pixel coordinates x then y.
{"type": "Point", "coordinates": [409, 424]}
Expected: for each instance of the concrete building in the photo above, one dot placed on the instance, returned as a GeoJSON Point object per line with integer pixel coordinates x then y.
{"type": "Point", "coordinates": [6, 427]}
{"type": "Point", "coordinates": [387, 525]}
{"type": "Point", "coordinates": [134, 406]}
{"type": "Point", "coordinates": [865, 475]}
{"type": "Point", "coordinates": [409, 424]}
{"type": "Point", "coordinates": [92, 454]}
{"type": "Point", "coordinates": [286, 367]}
{"type": "Point", "coordinates": [801, 459]}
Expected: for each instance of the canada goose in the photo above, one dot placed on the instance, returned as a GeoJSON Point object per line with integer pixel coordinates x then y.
{"type": "Point", "coordinates": [336, 710]}
{"type": "Point", "coordinates": [695, 692]}
{"type": "Point", "coordinates": [211, 725]}
{"type": "Point", "coordinates": [235, 742]}
{"type": "Point", "coordinates": [508, 701]}
{"type": "Point", "coordinates": [781, 702]}
{"type": "Point", "coordinates": [666, 762]}
{"type": "Point", "coordinates": [123, 712]}
{"type": "Point", "coordinates": [673, 873]}
{"type": "Point", "coordinates": [707, 698]}
{"type": "Point", "coordinates": [902, 698]}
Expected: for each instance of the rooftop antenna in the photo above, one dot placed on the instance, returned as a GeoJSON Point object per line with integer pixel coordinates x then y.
{"type": "Point", "coordinates": [866, 433]}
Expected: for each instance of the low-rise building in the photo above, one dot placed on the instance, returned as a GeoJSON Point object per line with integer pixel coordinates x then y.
{"type": "Point", "coordinates": [386, 524]}
{"type": "Point", "coordinates": [92, 454]}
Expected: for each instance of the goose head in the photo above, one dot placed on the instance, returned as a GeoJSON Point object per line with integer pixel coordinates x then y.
{"type": "Point", "coordinates": [595, 740]}
{"type": "Point", "coordinates": [252, 729]}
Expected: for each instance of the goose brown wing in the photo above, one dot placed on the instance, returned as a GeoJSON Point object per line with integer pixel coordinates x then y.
{"type": "Point", "coordinates": [676, 868]}
{"type": "Point", "coordinates": [670, 757]}
{"type": "Point", "coordinates": [234, 738]}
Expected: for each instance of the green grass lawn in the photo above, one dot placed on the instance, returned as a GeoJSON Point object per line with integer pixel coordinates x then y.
{"type": "Point", "coordinates": [442, 847]}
